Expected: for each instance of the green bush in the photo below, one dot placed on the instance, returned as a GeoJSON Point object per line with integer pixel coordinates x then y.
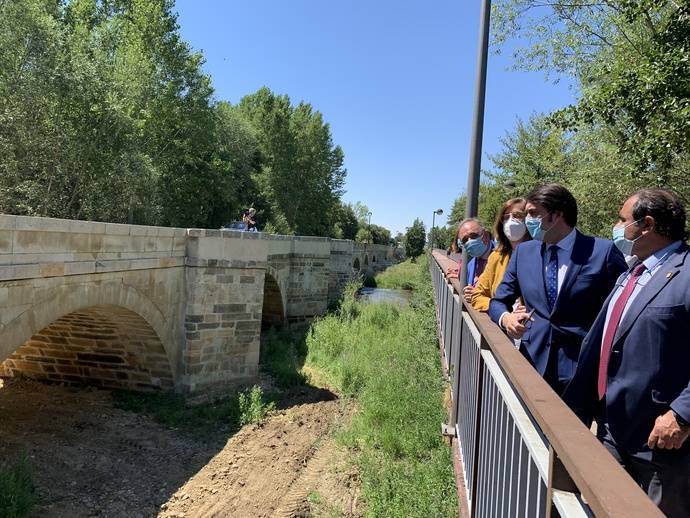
{"type": "Point", "coordinates": [253, 409]}
{"type": "Point", "coordinates": [16, 489]}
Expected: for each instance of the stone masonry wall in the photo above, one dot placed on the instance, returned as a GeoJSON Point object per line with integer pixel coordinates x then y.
{"type": "Point", "coordinates": [105, 346]}
{"type": "Point", "coordinates": [224, 284]}
{"type": "Point", "coordinates": [340, 269]}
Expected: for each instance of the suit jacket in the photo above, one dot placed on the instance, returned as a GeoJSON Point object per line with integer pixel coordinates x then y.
{"type": "Point", "coordinates": [649, 366]}
{"type": "Point", "coordinates": [556, 335]}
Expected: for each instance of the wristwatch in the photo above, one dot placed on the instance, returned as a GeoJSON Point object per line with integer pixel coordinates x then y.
{"type": "Point", "coordinates": [679, 419]}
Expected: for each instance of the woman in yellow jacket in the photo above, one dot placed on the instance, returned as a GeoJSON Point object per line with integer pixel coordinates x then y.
{"type": "Point", "coordinates": [509, 231]}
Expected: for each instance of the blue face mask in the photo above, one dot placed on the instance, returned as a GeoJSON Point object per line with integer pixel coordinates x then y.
{"type": "Point", "coordinates": [535, 229]}
{"type": "Point", "coordinates": [624, 244]}
{"type": "Point", "coordinates": [475, 247]}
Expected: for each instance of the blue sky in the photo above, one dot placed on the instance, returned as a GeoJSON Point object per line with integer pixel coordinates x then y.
{"type": "Point", "coordinates": [394, 78]}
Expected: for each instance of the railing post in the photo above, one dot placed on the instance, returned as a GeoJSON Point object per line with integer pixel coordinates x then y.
{"type": "Point", "coordinates": [483, 345]}
{"type": "Point", "coordinates": [559, 480]}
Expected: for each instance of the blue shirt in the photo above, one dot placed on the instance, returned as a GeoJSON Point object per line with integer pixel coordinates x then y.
{"type": "Point", "coordinates": [653, 264]}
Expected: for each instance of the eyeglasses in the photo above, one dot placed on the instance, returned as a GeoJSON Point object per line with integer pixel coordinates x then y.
{"type": "Point", "coordinates": [516, 214]}
{"type": "Point", "coordinates": [471, 235]}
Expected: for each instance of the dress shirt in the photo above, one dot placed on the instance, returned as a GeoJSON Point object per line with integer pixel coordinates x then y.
{"type": "Point", "coordinates": [653, 264]}
{"type": "Point", "coordinates": [565, 250]}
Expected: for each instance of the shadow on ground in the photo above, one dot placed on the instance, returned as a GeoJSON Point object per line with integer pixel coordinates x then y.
{"type": "Point", "coordinates": [98, 453]}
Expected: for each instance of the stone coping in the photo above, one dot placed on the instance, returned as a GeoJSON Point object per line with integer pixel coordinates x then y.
{"type": "Point", "coordinates": [10, 222]}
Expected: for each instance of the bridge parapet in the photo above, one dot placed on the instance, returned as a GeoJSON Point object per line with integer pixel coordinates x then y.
{"type": "Point", "coordinates": [44, 247]}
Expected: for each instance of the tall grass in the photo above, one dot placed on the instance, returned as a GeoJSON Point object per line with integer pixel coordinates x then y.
{"type": "Point", "coordinates": [16, 489]}
{"type": "Point", "coordinates": [386, 357]}
{"type": "Point", "coordinates": [402, 276]}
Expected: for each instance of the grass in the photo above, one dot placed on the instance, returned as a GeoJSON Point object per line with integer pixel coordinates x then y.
{"type": "Point", "coordinates": [386, 358]}
{"type": "Point", "coordinates": [282, 355]}
{"type": "Point", "coordinates": [402, 276]}
{"type": "Point", "coordinates": [16, 489]}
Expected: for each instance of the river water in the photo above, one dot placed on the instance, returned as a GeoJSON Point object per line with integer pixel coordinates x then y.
{"type": "Point", "coordinates": [375, 295]}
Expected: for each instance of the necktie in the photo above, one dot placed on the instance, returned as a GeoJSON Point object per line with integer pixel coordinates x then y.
{"type": "Point", "coordinates": [551, 276]}
{"type": "Point", "coordinates": [612, 327]}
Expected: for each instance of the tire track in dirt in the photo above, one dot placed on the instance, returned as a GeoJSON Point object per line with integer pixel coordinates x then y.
{"type": "Point", "coordinates": [263, 471]}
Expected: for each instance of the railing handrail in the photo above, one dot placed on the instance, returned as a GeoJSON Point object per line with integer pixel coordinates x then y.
{"type": "Point", "coordinates": [604, 484]}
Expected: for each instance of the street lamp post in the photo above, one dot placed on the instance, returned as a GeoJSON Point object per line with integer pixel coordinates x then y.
{"type": "Point", "coordinates": [369, 226]}
{"type": "Point", "coordinates": [433, 226]}
{"type": "Point", "coordinates": [477, 126]}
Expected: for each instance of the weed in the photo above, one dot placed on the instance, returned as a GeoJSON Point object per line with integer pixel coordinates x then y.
{"type": "Point", "coordinates": [16, 489]}
{"type": "Point", "coordinates": [253, 408]}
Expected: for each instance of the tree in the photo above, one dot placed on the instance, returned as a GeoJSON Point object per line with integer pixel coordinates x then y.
{"type": "Point", "coordinates": [380, 235]}
{"type": "Point", "coordinates": [631, 62]}
{"type": "Point", "coordinates": [345, 225]}
{"type": "Point", "coordinates": [442, 237]}
{"type": "Point", "coordinates": [302, 170]}
{"type": "Point", "coordinates": [415, 239]}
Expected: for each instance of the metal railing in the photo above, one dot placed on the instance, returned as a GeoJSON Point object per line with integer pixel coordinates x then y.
{"type": "Point", "coordinates": [523, 452]}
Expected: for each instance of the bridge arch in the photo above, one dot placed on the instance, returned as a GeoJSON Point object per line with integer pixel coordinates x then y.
{"type": "Point", "coordinates": [273, 310]}
{"type": "Point", "coordinates": [355, 264]}
{"type": "Point", "coordinates": [366, 259]}
{"type": "Point", "coordinates": [98, 328]}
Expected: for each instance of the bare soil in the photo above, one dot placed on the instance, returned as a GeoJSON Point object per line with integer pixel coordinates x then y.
{"type": "Point", "coordinates": [91, 459]}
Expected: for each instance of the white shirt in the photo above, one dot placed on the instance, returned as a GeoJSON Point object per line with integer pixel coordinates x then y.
{"type": "Point", "coordinates": [653, 263]}
{"type": "Point", "coordinates": [565, 251]}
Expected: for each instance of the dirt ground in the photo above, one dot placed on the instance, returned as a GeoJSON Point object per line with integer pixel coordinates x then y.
{"type": "Point", "coordinates": [91, 459]}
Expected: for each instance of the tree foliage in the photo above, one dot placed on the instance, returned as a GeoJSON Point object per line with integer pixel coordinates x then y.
{"type": "Point", "coordinates": [415, 239]}
{"type": "Point", "coordinates": [630, 125]}
{"type": "Point", "coordinates": [106, 114]}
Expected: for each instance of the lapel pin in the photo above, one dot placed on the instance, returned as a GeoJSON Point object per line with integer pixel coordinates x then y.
{"type": "Point", "coordinates": [669, 275]}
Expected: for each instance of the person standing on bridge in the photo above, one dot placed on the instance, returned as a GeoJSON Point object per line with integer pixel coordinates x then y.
{"type": "Point", "coordinates": [476, 240]}
{"type": "Point", "coordinates": [634, 369]}
{"type": "Point", "coordinates": [510, 231]}
{"type": "Point", "coordinates": [563, 277]}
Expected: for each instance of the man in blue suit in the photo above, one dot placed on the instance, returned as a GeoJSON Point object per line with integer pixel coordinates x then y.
{"type": "Point", "coordinates": [634, 369]}
{"type": "Point", "coordinates": [562, 277]}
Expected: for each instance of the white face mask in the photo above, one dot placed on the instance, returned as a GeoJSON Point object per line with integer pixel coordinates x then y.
{"type": "Point", "coordinates": [514, 229]}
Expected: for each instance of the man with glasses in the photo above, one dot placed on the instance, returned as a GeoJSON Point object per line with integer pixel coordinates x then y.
{"type": "Point", "coordinates": [474, 238]}
{"type": "Point", "coordinates": [634, 370]}
{"type": "Point", "coordinates": [563, 277]}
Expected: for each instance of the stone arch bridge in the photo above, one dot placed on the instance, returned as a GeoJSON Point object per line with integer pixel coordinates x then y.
{"type": "Point", "coordinates": [142, 307]}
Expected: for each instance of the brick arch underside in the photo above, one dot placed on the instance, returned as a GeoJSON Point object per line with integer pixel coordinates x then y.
{"type": "Point", "coordinates": [273, 311]}
{"type": "Point", "coordinates": [106, 346]}
{"type": "Point", "coordinates": [64, 300]}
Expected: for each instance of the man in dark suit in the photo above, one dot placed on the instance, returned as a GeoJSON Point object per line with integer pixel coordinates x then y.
{"type": "Point", "coordinates": [563, 277]}
{"type": "Point", "coordinates": [634, 369]}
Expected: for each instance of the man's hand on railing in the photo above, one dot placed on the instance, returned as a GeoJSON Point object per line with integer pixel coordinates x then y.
{"type": "Point", "coordinates": [515, 323]}
{"type": "Point", "coordinates": [668, 434]}
{"type": "Point", "coordinates": [467, 292]}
